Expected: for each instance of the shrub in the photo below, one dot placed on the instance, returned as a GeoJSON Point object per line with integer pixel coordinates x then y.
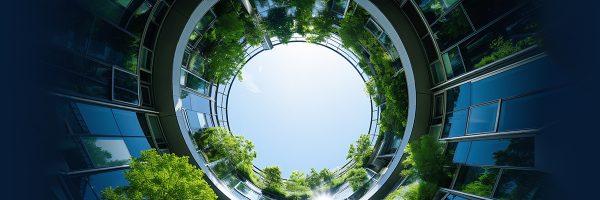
{"type": "Point", "coordinates": [357, 178]}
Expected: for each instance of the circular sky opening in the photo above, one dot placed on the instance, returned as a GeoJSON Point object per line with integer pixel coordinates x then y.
{"type": "Point", "coordinates": [301, 105]}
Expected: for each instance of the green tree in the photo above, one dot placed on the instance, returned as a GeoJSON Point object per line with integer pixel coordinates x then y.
{"type": "Point", "coordinates": [280, 24]}
{"type": "Point", "coordinates": [426, 160]}
{"type": "Point", "coordinates": [297, 186]}
{"type": "Point", "coordinates": [357, 178]}
{"type": "Point", "coordinates": [162, 176]}
{"type": "Point", "coordinates": [273, 181]}
{"type": "Point", "coordinates": [418, 190]}
{"type": "Point", "coordinates": [233, 152]}
{"type": "Point", "coordinates": [322, 24]}
{"type": "Point", "coordinates": [360, 152]}
{"type": "Point", "coordinates": [303, 16]}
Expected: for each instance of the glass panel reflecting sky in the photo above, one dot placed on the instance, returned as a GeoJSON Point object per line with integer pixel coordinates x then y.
{"type": "Point", "coordinates": [302, 105]}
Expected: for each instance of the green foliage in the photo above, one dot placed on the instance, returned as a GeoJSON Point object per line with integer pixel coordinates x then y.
{"type": "Point", "coordinates": [360, 152]}
{"type": "Point", "coordinates": [357, 178]}
{"type": "Point", "coordinates": [502, 48]}
{"type": "Point", "coordinates": [419, 190]}
{"type": "Point", "coordinates": [273, 181]}
{"type": "Point", "coordinates": [162, 176]}
{"type": "Point", "coordinates": [426, 160]}
{"type": "Point", "coordinates": [377, 64]}
{"type": "Point", "coordinates": [322, 26]}
{"type": "Point", "coordinates": [297, 186]}
{"type": "Point", "coordinates": [482, 186]}
{"type": "Point", "coordinates": [317, 178]}
{"type": "Point", "coordinates": [223, 51]}
{"type": "Point", "coordinates": [303, 16]}
{"type": "Point", "coordinates": [232, 152]}
{"type": "Point", "coordinates": [280, 24]}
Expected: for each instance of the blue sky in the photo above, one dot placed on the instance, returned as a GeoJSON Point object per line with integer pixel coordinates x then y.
{"type": "Point", "coordinates": [302, 105]}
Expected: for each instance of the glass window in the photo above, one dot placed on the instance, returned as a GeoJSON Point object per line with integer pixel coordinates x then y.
{"type": "Point", "coordinates": [458, 98]}
{"type": "Point", "coordinates": [113, 46]}
{"type": "Point", "coordinates": [504, 152]}
{"type": "Point", "coordinates": [73, 29]}
{"type": "Point", "coordinates": [483, 12]}
{"type": "Point", "coordinates": [80, 189]}
{"type": "Point", "coordinates": [437, 72]}
{"type": "Point", "coordinates": [519, 184]}
{"type": "Point", "coordinates": [128, 123]}
{"type": "Point", "coordinates": [137, 22]}
{"type": "Point", "coordinates": [527, 112]}
{"type": "Point", "coordinates": [372, 27]}
{"type": "Point", "coordinates": [503, 38]}
{"type": "Point", "coordinates": [192, 82]}
{"type": "Point", "coordinates": [125, 87]}
{"type": "Point", "coordinates": [455, 124]}
{"type": "Point", "coordinates": [197, 120]}
{"type": "Point", "coordinates": [155, 129]}
{"type": "Point", "coordinates": [196, 64]}
{"type": "Point", "coordinates": [535, 75]}
{"type": "Point", "coordinates": [432, 9]}
{"type": "Point", "coordinates": [113, 179]}
{"type": "Point", "coordinates": [73, 154]}
{"type": "Point", "coordinates": [435, 131]}
{"type": "Point", "coordinates": [482, 118]}
{"type": "Point", "coordinates": [136, 145]}
{"type": "Point", "coordinates": [99, 120]}
{"type": "Point", "coordinates": [438, 109]}
{"type": "Point", "coordinates": [451, 28]}
{"type": "Point", "coordinates": [106, 152]}
{"type": "Point", "coordinates": [461, 152]}
{"type": "Point", "coordinates": [200, 104]}
{"type": "Point", "coordinates": [146, 59]}
{"type": "Point", "coordinates": [453, 63]}
{"type": "Point", "coordinates": [476, 180]}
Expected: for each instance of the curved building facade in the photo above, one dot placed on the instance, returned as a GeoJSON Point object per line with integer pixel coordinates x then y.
{"type": "Point", "coordinates": [126, 76]}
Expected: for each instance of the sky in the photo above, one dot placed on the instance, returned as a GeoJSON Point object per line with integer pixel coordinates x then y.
{"type": "Point", "coordinates": [301, 105]}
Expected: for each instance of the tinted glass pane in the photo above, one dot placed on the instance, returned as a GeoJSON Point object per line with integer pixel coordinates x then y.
{"type": "Point", "coordinates": [112, 10]}
{"type": "Point", "coordinates": [519, 184]}
{"type": "Point", "coordinates": [113, 46]}
{"type": "Point", "coordinates": [200, 104]}
{"type": "Point", "coordinates": [482, 12]}
{"type": "Point", "coordinates": [439, 105]}
{"type": "Point", "coordinates": [504, 152]}
{"type": "Point", "coordinates": [196, 64]}
{"type": "Point", "coordinates": [455, 124]}
{"type": "Point", "coordinates": [126, 87]}
{"type": "Point", "coordinates": [529, 77]}
{"type": "Point", "coordinates": [453, 63]}
{"type": "Point", "coordinates": [458, 97]}
{"type": "Point", "coordinates": [138, 19]}
{"type": "Point", "coordinates": [529, 112]}
{"type": "Point", "coordinates": [136, 145]}
{"type": "Point", "coordinates": [99, 120]}
{"type": "Point", "coordinates": [73, 154]}
{"type": "Point", "coordinates": [451, 28]}
{"type": "Point", "coordinates": [196, 83]}
{"type": "Point", "coordinates": [432, 9]}
{"type": "Point", "coordinates": [476, 180]}
{"type": "Point", "coordinates": [72, 31]}
{"type": "Point", "coordinates": [483, 118]}
{"type": "Point", "coordinates": [108, 179]}
{"type": "Point", "coordinates": [80, 189]}
{"type": "Point", "coordinates": [107, 152]}
{"type": "Point", "coordinates": [462, 152]}
{"type": "Point", "coordinates": [438, 73]}
{"type": "Point", "coordinates": [128, 123]}
{"type": "Point", "coordinates": [155, 129]}
{"type": "Point", "coordinates": [503, 38]}
{"type": "Point", "coordinates": [197, 120]}
{"type": "Point", "coordinates": [373, 28]}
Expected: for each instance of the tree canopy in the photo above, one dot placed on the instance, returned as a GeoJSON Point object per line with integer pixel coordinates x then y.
{"type": "Point", "coordinates": [161, 176]}
{"type": "Point", "coordinates": [360, 152]}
